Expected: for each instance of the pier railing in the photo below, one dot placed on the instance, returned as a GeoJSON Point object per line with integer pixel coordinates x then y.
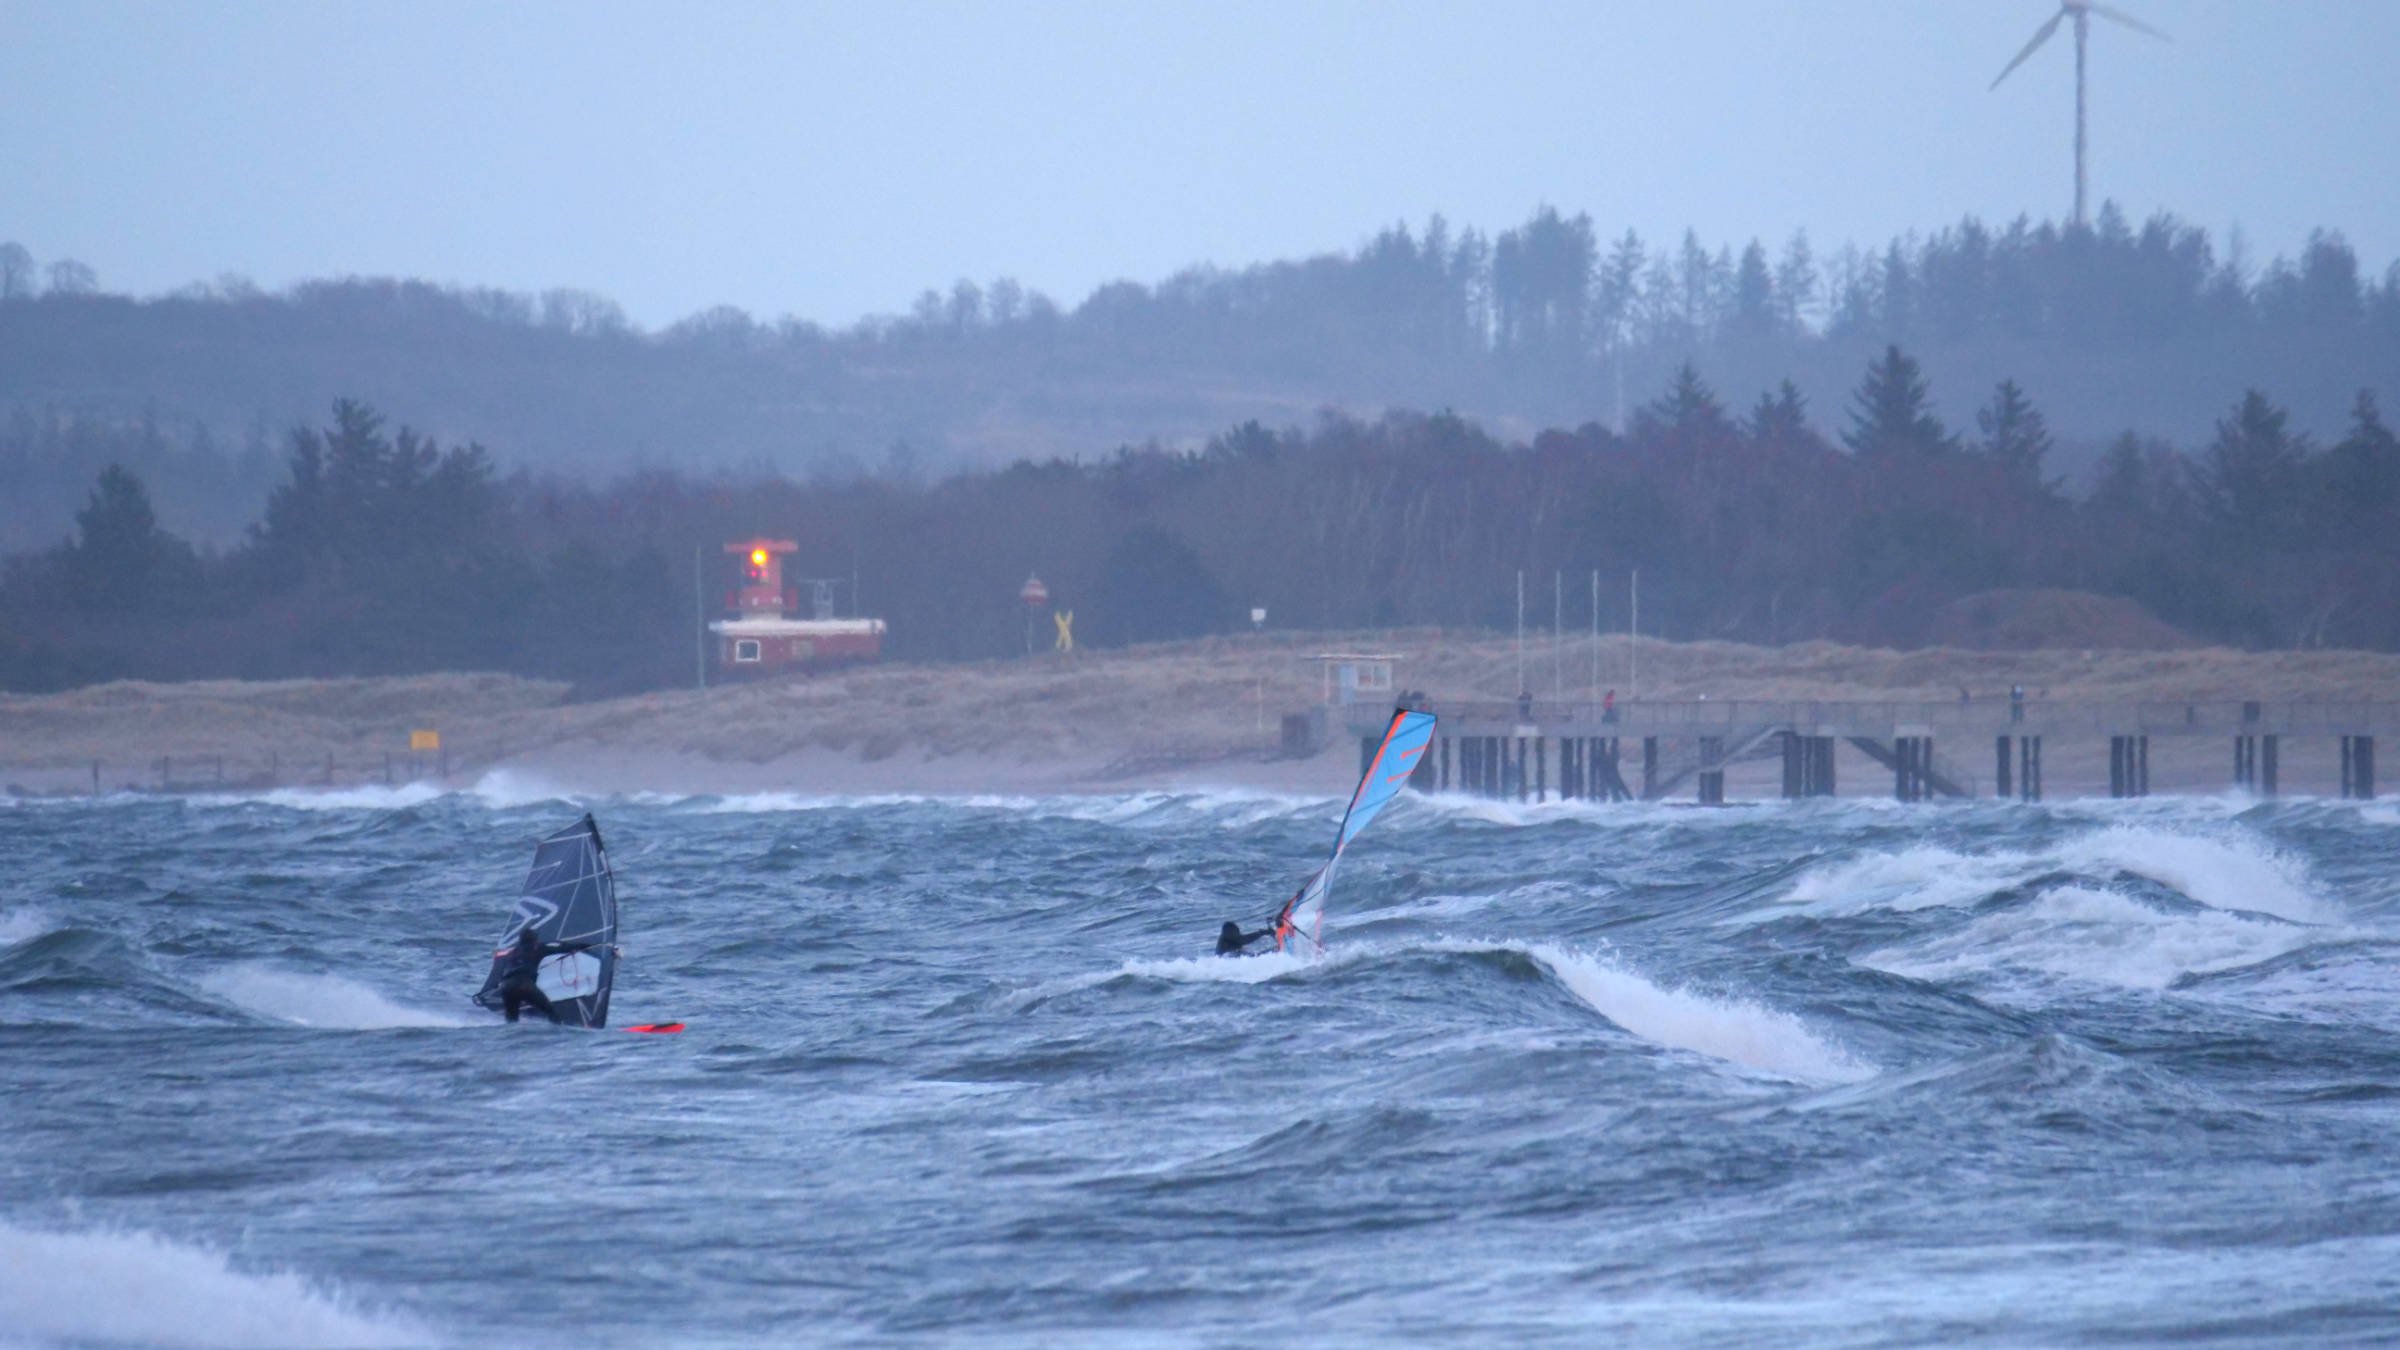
{"type": "Point", "coordinates": [2034, 716]}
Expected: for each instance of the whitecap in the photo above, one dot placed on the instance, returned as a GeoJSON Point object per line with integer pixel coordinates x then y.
{"type": "Point", "coordinates": [2096, 936]}
{"type": "Point", "coordinates": [2230, 870]}
{"type": "Point", "coordinates": [134, 1288]}
{"type": "Point", "coordinates": [1719, 1026]}
{"type": "Point", "coordinates": [23, 924]}
{"type": "Point", "coordinates": [319, 1000]}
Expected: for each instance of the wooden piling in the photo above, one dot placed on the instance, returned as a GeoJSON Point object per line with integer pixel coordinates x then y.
{"type": "Point", "coordinates": [2358, 767]}
{"type": "Point", "coordinates": [1712, 771]}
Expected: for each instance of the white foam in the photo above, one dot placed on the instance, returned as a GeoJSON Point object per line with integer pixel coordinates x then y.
{"type": "Point", "coordinates": [2224, 868]}
{"type": "Point", "coordinates": [142, 1289]}
{"type": "Point", "coordinates": [2096, 936]}
{"type": "Point", "coordinates": [1457, 805]}
{"type": "Point", "coordinates": [375, 798]}
{"type": "Point", "coordinates": [1256, 969]}
{"type": "Point", "coordinates": [319, 1000]}
{"type": "Point", "coordinates": [1723, 1028]}
{"type": "Point", "coordinates": [2352, 986]}
{"type": "Point", "coordinates": [2227, 870]}
{"type": "Point", "coordinates": [1230, 807]}
{"type": "Point", "coordinates": [23, 924]}
{"type": "Point", "coordinates": [1921, 877]}
{"type": "Point", "coordinates": [504, 788]}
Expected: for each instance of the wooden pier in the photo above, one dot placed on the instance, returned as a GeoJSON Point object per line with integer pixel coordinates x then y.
{"type": "Point", "coordinates": [1653, 751]}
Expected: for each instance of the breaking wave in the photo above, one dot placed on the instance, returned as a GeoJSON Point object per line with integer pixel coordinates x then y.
{"type": "Point", "coordinates": [2223, 871]}
{"type": "Point", "coordinates": [1719, 1026]}
{"type": "Point", "coordinates": [135, 1288]}
{"type": "Point", "coordinates": [317, 1000]}
{"type": "Point", "coordinates": [2096, 936]}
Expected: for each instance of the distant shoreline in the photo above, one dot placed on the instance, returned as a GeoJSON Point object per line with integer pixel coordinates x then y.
{"type": "Point", "coordinates": [1173, 715]}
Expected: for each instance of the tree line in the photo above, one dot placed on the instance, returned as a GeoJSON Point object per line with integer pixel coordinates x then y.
{"type": "Point", "coordinates": [1552, 323]}
{"type": "Point", "coordinates": [380, 551]}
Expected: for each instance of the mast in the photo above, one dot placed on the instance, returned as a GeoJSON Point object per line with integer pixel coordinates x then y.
{"type": "Point", "coordinates": [2083, 26]}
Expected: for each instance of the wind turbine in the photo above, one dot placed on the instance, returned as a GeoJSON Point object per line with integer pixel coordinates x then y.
{"type": "Point", "coordinates": [2082, 10]}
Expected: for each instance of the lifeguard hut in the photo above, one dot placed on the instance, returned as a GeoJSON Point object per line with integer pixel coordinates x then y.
{"type": "Point", "coordinates": [765, 636]}
{"type": "Point", "coordinates": [1349, 675]}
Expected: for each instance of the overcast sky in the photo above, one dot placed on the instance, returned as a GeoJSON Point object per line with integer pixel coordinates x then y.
{"type": "Point", "coordinates": [831, 161]}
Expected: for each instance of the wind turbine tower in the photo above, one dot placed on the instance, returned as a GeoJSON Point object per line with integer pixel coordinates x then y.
{"type": "Point", "coordinates": [2082, 12]}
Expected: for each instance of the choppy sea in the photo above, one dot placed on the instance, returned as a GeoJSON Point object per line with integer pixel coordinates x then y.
{"type": "Point", "coordinates": [962, 1069]}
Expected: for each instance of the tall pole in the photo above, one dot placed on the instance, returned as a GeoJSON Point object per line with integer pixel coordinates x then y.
{"type": "Point", "coordinates": [699, 618]}
{"type": "Point", "coordinates": [1595, 633]}
{"type": "Point", "coordinates": [1558, 613]}
{"type": "Point", "coordinates": [1520, 630]}
{"type": "Point", "coordinates": [2083, 22]}
{"type": "Point", "coordinates": [1633, 643]}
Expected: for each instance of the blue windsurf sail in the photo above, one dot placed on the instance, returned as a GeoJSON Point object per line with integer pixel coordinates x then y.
{"type": "Point", "coordinates": [570, 898]}
{"type": "Point", "coordinates": [1404, 742]}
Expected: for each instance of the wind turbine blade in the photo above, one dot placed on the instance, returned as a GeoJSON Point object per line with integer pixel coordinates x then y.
{"type": "Point", "coordinates": [2040, 36]}
{"type": "Point", "coordinates": [2130, 22]}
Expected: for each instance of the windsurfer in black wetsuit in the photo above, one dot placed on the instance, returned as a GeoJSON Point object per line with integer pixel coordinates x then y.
{"type": "Point", "coordinates": [1231, 939]}
{"type": "Point", "coordinates": [522, 963]}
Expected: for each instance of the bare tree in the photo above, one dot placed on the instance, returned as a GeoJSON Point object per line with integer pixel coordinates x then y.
{"type": "Point", "coordinates": [16, 272]}
{"type": "Point", "coordinates": [69, 277]}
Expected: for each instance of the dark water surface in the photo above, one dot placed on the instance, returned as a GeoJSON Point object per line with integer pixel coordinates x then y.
{"type": "Point", "coordinates": [1827, 1073]}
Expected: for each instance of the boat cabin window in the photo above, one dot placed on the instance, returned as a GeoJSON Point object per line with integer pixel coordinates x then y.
{"type": "Point", "coordinates": [745, 649]}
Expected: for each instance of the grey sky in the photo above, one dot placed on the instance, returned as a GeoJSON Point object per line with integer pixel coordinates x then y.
{"type": "Point", "coordinates": [833, 160]}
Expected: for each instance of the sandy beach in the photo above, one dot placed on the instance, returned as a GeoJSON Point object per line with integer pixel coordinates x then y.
{"type": "Point", "coordinates": [1180, 714]}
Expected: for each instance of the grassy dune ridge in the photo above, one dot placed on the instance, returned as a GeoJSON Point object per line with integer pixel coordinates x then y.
{"type": "Point", "coordinates": [1204, 710]}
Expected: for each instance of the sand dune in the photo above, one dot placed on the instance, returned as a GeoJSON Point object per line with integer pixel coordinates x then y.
{"type": "Point", "coordinates": [1155, 715]}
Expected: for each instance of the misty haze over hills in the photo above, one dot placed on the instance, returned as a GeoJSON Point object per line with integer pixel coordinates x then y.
{"type": "Point", "coordinates": [2154, 328]}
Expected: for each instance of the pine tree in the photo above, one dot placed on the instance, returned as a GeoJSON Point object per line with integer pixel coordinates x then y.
{"type": "Point", "coordinates": [1689, 410]}
{"type": "Point", "coordinates": [2251, 481]}
{"type": "Point", "coordinates": [1619, 287]}
{"type": "Point", "coordinates": [1889, 415]}
{"type": "Point", "coordinates": [1754, 310]}
{"type": "Point", "coordinates": [2014, 437]}
{"type": "Point", "coordinates": [1781, 418]}
{"type": "Point", "coordinates": [2362, 471]}
{"type": "Point", "coordinates": [1796, 283]}
{"type": "Point", "coordinates": [121, 561]}
{"type": "Point", "coordinates": [2124, 484]}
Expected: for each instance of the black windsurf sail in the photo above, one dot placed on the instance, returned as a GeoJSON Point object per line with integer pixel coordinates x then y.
{"type": "Point", "coordinates": [570, 899]}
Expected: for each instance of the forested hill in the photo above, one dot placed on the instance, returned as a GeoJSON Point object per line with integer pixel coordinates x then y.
{"type": "Point", "coordinates": [2153, 329]}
